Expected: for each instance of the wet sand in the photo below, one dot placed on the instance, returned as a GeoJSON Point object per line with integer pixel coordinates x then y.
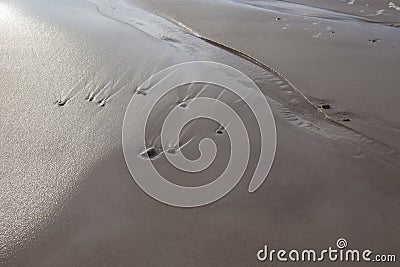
{"type": "Point", "coordinates": [70, 70]}
{"type": "Point", "coordinates": [354, 65]}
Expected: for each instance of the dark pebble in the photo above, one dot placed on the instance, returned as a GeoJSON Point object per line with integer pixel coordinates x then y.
{"type": "Point", "coordinates": [61, 103]}
{"type": "Point", "coordinates": [150, 153]}
{"type": "Point", "coordinates": [141, 92]}
{"type": "Point", "coordinates": [220, 130]}
{"type": "Point", "coordinates": [325, 106]}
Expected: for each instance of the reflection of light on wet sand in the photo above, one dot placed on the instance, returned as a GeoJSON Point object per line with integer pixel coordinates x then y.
{"type": "Point", "coordinates": [6, 13]}
{"type": "Point", "coordinates": [30, 194]}
{"type": "Point", "coordinates": [47, 70]}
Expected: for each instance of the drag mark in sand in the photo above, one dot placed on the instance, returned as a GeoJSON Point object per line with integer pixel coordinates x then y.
{"type": "Point", "coordinates": [299, 109]}
{"type": "Point", "coordinates": [302, 114]}
{"type": "Point", "coordinates": [275, 77]}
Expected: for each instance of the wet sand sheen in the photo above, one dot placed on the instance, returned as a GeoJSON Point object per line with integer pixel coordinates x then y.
{"type": "Point", "coordinates": [327, 178]}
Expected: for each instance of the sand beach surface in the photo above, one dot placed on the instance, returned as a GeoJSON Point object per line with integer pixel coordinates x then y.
{"type": "Point", "coordinates": [70, 68]}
